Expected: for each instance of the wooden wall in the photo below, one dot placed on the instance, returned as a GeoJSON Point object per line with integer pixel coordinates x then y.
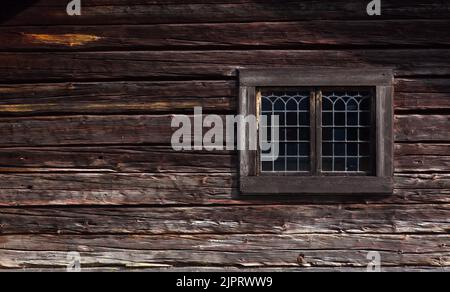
{"type": "Point", "coordinates": [85, 158]}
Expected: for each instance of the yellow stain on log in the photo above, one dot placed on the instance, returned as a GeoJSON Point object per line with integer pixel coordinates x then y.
{"type": "Point", "coordinates": [19, 108]}
{"type": "Point", "coordinates": [71, 40]}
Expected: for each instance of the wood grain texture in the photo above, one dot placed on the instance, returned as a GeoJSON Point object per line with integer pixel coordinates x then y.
{"type": "Point", "coordinates": [116, 189]}
{"type": "Point", "coordinates": [61, 66]}
{"type": "Point", "coordinates": [273, 219]}
{"type": "Point", "coordinates": [423, 181]}
{"type": "Point", "coordinates": [422, 101]}
{"type": "Point", "coordinates": [174, 97]}
{"type": "Point", "coordinates": [51, 12]}
{"type": "Point", "coordinates": [422, 128]}
{"type": "Point", "coordinates": [115, 159]}
{"type": "Point", "coordinates": [415, 157]}
{"type": "Point", "coordinates": [228, 269]}
{"type": "Point", "coordinates": [425, 33]}
{"type": "Point", "coordinates": [244, 251]}
{"type": "Point", "coordinates": [419, 163]}
{"type": "Point", "coordinates": [116, 97]}
{"type": "Point", "coordinates": [189, 189]}
{"type": "Point", "coordinates": [156, 129]}
{"type": "Point", "coordinates": [422, 85]}
{"type": "Point", "coordinates": [87, 130]}
{"type": "Point", "coordinates": [403, 149]}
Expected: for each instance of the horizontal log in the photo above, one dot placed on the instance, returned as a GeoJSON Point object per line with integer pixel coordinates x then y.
{"type": "Point", "coordinates": [50, 12]}
{"type": "Point", "coordinates": [423, 181]}
{"type": "Point", "coordinates": [423, 85]}
{"type": "Point", "coordinates": [422, 128]}
{"type": "Point", "coordinates": [418, 163]}
{"type": "Point", "coordinates": [116, 189]}
{"type": "Point", "coordinates": [86, 130]}
{"type": "Point", "coordinates": [229, 35]}
{"type": "Point", "coordinates": [422, 101]}
{"type": "Point", "coordinates": [172, 97]}
{"type": "Point", "coordinates": [61, 66]}
{"type": "Point", "coordinates": [403, 149]}
{"type": "Point", "coordinates": [427, 128]}
{"type": "Point", "coordinates": [144, 129]}
{"type": "Point", "coordinates": [112, 159]}
{"type": "Point", "coordinates": [153, 159]}
{"type": "Point", "coordinates": [273, 219]}
{"type": "Point", "coordinates": [229, 242]}
{"type": "Point", "coordinates": [245, 251]}
{"type": "Point", "coordinates": [190, 189]}
{"type": "Point", "coordinates": [117, 97]}
{"type": "Point", "coordinates": [227, 269]}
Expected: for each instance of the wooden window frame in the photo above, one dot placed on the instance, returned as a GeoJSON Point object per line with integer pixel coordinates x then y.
{"type": "Point", "coordinates": [382, 80]}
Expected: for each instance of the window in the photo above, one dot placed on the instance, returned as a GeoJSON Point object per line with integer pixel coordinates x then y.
{"type": "Point", "coordinates": [334, 131]}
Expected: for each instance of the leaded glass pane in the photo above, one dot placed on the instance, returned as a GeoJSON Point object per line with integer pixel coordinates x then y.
{"type": "Point", "coordinates": [292, 106]}
{"type": "Point", "coordinates": [346, 131]}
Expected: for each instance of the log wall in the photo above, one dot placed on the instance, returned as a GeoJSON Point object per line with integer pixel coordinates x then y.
{"type": "Point", "coordinates": [85, 157]}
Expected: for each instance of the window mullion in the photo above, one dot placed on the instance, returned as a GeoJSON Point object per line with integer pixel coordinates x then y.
{"type": "Point", "coordinates": [312, 136]}
{"type": "Point", "coordinates": [318, 131]}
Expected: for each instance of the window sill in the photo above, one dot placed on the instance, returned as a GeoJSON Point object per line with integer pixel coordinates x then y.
{"type": "Point", "coordinates": [270, 185]}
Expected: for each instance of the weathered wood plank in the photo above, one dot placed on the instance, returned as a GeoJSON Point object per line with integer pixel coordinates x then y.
{"type": "Point", "coordinates": [422, 128]}
{"type": "Point", "coordinates": [116, 189]}
{"type": "Point", "coordinates": [117, 97]}
{"type": "Point", "coordinates": [273, 219]}
{"type": "Point", "coordinates": [229, 242]}
{"type": "Point", "coordinates": [422, 101]}
{"type": "Point", "coordinates": [189, 189]}
{"type": "Point", "coordinates": [87, 130]}
{"type": "Point", "coordinates": [402, 149]}
{"type": "Point", "coordinates": [418, 163]}
{"type": "Point", "coordinates": [50, 12]}
{"type": "Point", "coordinates": [173, 97]}
{"type": "Point", "coordinates": [140, 129]}
{"type": "Point", "coordinates": [422, 157]}
{"type": "Point", "coordinates": [245, 251]}
{"type": "Point", "coordinates": [416, 157]}
{"type": "Point", "coordinates": [227, 269]}
{"type": "Point", "coordinates": [423, 85]}
{"type": "Point", "coordinates": [60, 66]}
{"type": "Point", "coordinates": [131, 159]}
{"type": "Point", "coordinates": [229, 35]}
{"type": "Point", "coordinates": [423, 181]}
